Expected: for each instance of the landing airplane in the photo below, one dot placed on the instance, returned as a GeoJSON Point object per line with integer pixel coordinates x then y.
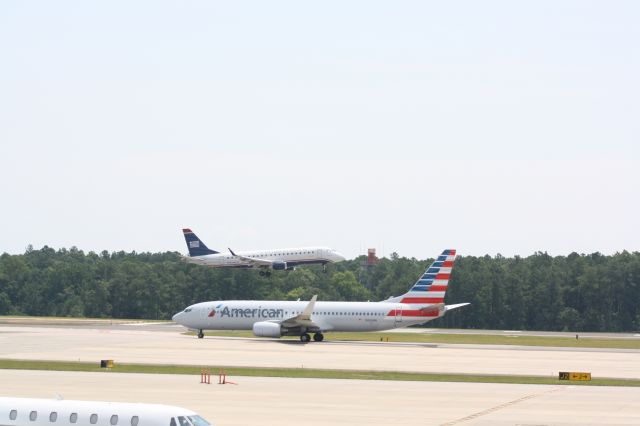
{"type": "Point", "coordinates": [48, 412]}
{"type": "Point", "coordinates": [265, 260]}
{"type": "Point", "coordinates": [423, 302]}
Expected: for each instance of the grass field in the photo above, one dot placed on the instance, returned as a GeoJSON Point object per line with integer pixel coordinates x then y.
{"type": "Point", "coordinates": [304, 373]}
{"type": "Point", "coordinates": [475, 339]}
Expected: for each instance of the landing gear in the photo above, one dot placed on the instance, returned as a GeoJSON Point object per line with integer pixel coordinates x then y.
{"type": "Point", "coordinates": [324, 268]}
{"type": "Point", "coordinates": [200, 334]}
{"type": "Point", "coordinates": [265, 273]}
{"type": "Point", "coordinates": [318, 337]}
{"type": "Point", "coordinates": [305, 338]}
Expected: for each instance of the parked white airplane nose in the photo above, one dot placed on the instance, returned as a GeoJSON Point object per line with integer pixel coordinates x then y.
{"type": "Point", "coordinates": [176, 317]}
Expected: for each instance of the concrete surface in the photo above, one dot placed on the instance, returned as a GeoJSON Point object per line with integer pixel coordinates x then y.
{"type": "Point", "coordinates": [136, 345]}
{"type": "Point", "coordinates": [278, 401]}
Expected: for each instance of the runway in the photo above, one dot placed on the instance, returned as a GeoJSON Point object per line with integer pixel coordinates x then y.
{"type": "Point", "coordinates": [278, 401]}
{"type": "Point", "coordinates": [137, 345]}
{"type": "Point", "coordinates": [120, 324]}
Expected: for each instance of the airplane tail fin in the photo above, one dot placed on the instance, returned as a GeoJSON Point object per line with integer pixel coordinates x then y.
{"type": "Point", "coordinates": [432, 285]}
{"type": "Point", "coordinates": [195, 245]}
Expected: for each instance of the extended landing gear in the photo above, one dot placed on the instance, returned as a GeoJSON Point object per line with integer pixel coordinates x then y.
{"type": "Point", "coordinates": [306, 338]}
{"type": "Point", "coordinates": [200, 334]}
{"type": "Point", "coordinates": [324, 268]}
{"type": "Point", "coordinates": [265, 273]}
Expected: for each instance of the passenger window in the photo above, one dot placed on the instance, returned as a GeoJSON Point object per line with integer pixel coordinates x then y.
{"type": "Point", "coordinates": [93, 419]}
{"type": "Point", "coordinates": [33, 416]}
{"type": "Point", "coordinates": [13, 414]}
{"type": "Point", "coordinates": [134, 421]}
{"type": "Point", "coordinates": [114, 420]}
{"type": "Point", "coordinates": [73, 418]}
{"type": "Point", "coordinates": [173, 422]}
{"type": "Point", "coordinates": [53, 417]}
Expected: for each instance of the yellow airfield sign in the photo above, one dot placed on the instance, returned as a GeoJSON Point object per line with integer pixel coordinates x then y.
{"type": "Point", "coordinates": [572, 375]}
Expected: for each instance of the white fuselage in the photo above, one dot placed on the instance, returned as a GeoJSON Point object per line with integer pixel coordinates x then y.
{"type": "Point", "coordinates": [330, 316]}
{"type": "Point", "coordinates": [53, 412]}
{"type": "Point", "coordinates": [292, 257]}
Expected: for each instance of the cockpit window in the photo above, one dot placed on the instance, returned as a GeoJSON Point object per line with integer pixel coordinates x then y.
{"type": "Point", "coordinates": [188, 310]}
{"type": "Point", "coordinates": [183, 421]}
{"type": "Point", "coordinates": [173, 422]}
{"type": "Point", "coordinates": [199, 421]}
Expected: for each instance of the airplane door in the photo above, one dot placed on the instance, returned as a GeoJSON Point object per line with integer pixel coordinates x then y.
{"type": "Point", "coordinates": [398, 318]}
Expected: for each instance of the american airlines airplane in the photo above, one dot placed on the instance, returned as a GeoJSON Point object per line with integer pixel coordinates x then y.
{"type": "Point", "coordinates": [278, 259]}
{"type": "Point", "coordinates": [423, 302]}
{"type": "Point", "coordinates": [54, 412]}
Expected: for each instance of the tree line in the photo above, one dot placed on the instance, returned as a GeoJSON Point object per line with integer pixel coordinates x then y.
{"type": "Point", "coordinates": [540, 292]}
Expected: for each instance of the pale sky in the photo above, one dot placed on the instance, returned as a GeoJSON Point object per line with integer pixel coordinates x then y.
{"type": "Point", "coordinates": [490, 127]}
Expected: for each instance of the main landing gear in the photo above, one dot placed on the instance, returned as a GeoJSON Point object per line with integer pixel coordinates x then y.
{"type": "Point", "coordinates": [306, 338]}
{"type": "Point", "coordinates": [265, 273]}
{"type": "Point", "coordinates": [200, 334]}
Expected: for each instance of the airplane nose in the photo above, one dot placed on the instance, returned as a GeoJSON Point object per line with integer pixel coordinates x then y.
{"type": "Point", "coordinates": [176, 316]}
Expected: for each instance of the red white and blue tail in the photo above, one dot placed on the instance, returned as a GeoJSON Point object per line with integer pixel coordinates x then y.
{"type": "Point", "coordinates": [432, 285]}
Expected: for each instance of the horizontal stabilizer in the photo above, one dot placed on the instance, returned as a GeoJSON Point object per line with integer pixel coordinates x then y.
{"type": "Point", "coordinates": [456, 306]}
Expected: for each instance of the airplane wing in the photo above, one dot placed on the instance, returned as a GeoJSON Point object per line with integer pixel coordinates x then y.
{"type": "Point", "coordinates": [253, 261]}
{"type": "Point", "coordinates": [304, 319]}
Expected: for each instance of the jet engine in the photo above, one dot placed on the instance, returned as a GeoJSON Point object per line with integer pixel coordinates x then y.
{"type": "Point", "coordinates": [279, 266]}
{"type": "Point", "coordinates": [267, 329]}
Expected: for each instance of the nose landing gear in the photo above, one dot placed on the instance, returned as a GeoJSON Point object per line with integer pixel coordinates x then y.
{"type": "Point", "coordinates": [200, 334]}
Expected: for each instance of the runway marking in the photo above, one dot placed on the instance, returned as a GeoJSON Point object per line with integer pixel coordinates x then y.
{"type": "Point", "coordinates": [499, 407]}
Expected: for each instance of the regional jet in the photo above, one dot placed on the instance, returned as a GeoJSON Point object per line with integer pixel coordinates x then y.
{"type": "Point", "coordinates": [49, 412]}
{"type": "Point", "coordinates": [265, 260]}
{"type": "Point", "coordinates": [423, 302]}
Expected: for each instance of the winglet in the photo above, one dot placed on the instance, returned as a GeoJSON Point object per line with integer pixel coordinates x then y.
{"type": "Point", "coordinates": [306, 314]}
{"type": "Point", "coordinates": [232, 253]}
